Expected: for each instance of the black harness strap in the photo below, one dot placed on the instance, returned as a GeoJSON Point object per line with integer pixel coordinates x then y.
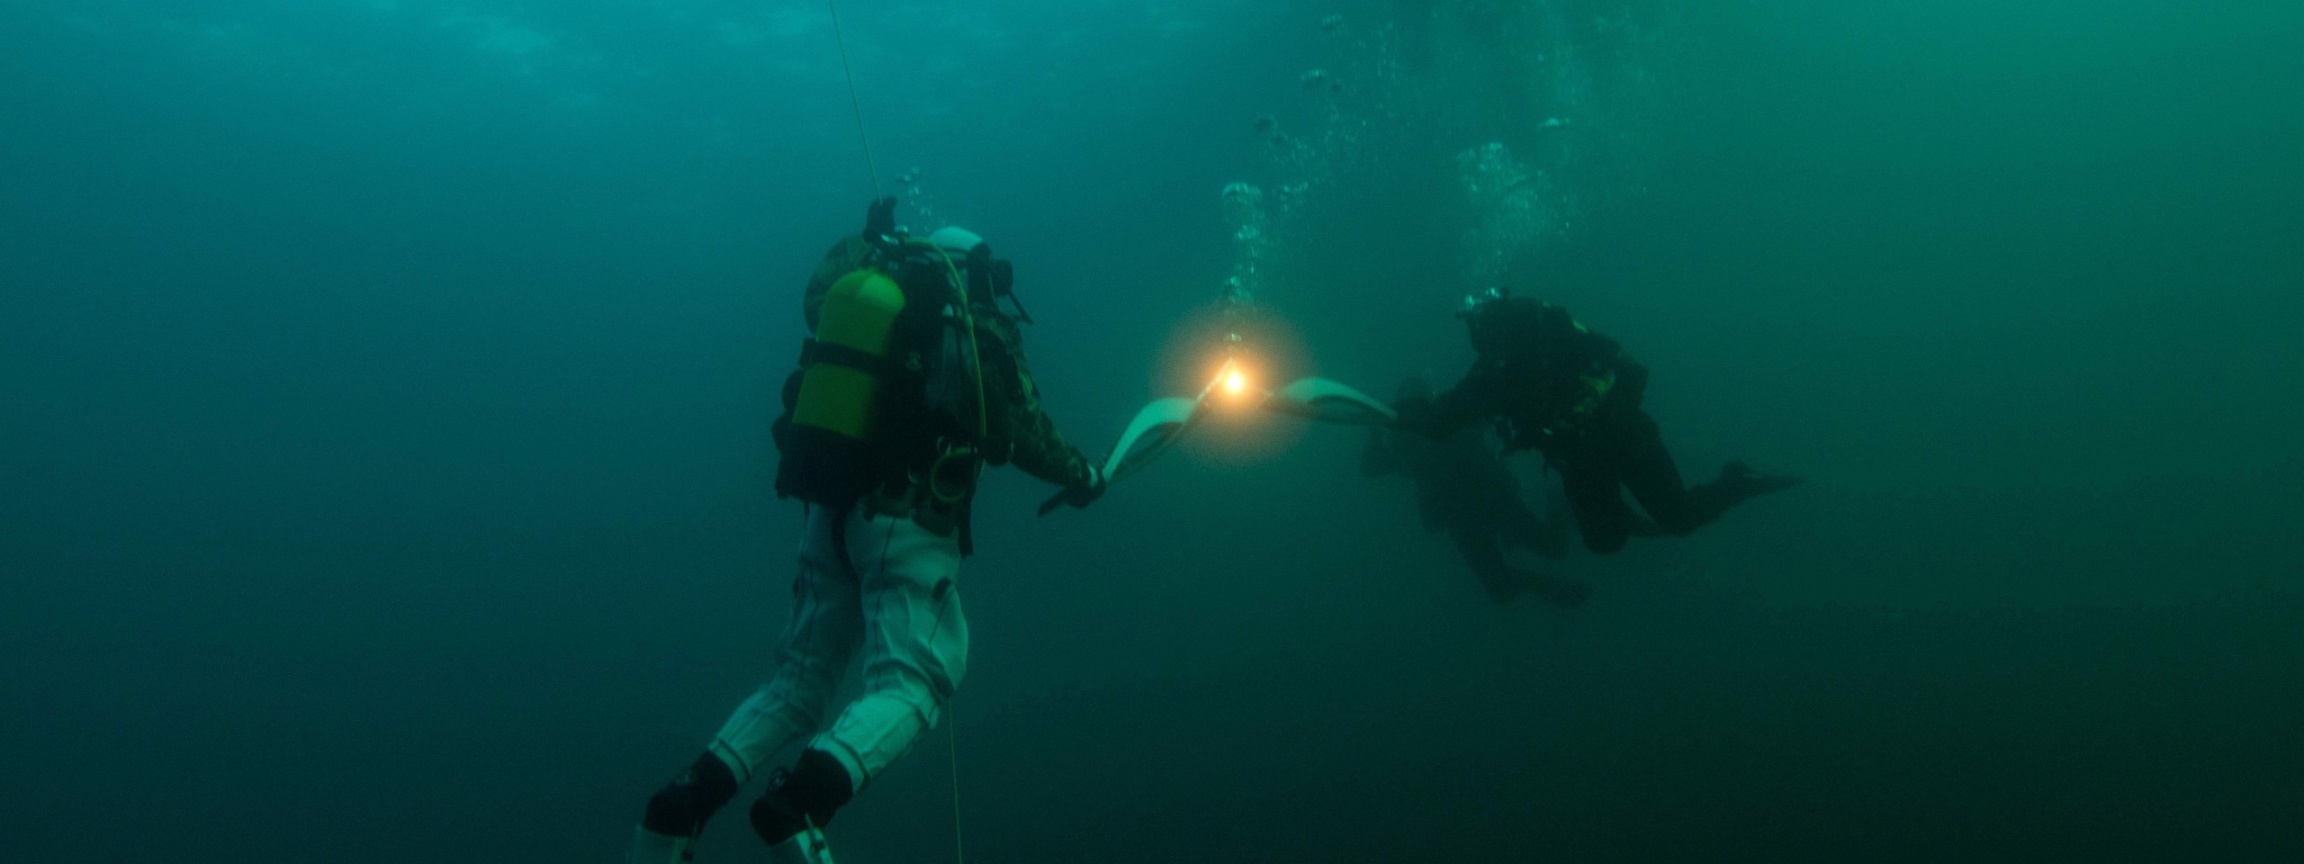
{"type": "Point", "coordinates": [813, 352]}
{"type": "Point", "coordinates": [840, 539]}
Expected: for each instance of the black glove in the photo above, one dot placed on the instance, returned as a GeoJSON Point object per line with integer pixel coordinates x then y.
{"type": "Point", "coordinates": [1418, 414]}
{"type": "Point", "coordinates": [1083, 494]}
{"type": "Point", "coordinates": [1078, 495]}
{"type": "Point", "coordinates": [880, 219]}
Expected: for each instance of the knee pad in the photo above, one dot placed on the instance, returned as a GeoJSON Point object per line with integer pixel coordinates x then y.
{"type": "Point", "coordinates": [681, 809]}
{"type": "Point", "coordinates": [805, 796]}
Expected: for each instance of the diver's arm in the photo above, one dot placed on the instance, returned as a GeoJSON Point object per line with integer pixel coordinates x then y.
{"type": "Point", "coordinates": [1454, 410]}
{"type": "Point", "coordinates": [1036, 447]}
{"type": "Point", "coordinates": [1032, 442]}
{"type": "Point", "coordinates": [1594, 350]}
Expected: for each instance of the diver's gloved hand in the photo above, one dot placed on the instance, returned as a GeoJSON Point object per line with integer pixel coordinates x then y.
{"type": "Point", "coordinates": [1418, 414]}
{"type": "Point", "coordinates": [1078, 495]}
{"type": "Point", "coordinates": [880, 218]}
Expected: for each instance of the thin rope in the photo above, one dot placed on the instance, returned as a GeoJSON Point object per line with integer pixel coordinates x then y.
{"type": "Point", "coordinates": [853, 102]}
{"type": "Point", "coordinates": [983, 428]}
{"type": "Point", "coordinates": [952, 733]}
{"type": "Point", "coordinates": [872, 167]}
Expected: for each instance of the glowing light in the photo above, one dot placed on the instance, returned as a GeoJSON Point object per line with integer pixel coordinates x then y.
{"type": "Point", "coordinates": [1235, 383]}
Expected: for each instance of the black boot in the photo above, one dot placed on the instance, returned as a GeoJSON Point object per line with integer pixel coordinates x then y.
{"type": "Point", "coordinates": [802, 799]}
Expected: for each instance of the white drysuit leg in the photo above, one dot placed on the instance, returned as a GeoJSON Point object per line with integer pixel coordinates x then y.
{"type": "Point", "coordinates": [826, 627]}
{"type": "Point", "coordinates": [901, 603]}
{"type": "Point", "coordinates": [915, 643]}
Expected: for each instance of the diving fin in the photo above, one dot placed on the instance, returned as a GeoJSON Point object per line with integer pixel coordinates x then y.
{"type": "Point", "coordinates": [649, 847]}
{"type": "Point", "coordinates": [806, 847]}
{"type": "Point", "coordinates": [1744, 484]}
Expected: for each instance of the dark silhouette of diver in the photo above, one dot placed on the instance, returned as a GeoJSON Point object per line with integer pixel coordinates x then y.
{"type": "Point", "coordinates": [1551, 385]}
{"type": "Point", "coordinates": [1464, 489]}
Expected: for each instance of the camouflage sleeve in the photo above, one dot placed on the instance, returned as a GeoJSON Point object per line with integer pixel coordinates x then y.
{"type": "Point", "coordinates": [844, 257]}
{"type": "Point", "coordinates": [1020, 432]}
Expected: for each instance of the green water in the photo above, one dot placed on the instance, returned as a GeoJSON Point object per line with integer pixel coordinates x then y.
{"type": "Point", "coordinates": [384, 390]}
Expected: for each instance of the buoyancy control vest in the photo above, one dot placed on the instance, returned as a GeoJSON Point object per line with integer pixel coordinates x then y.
{"type": "Point", "coordinates": [888, 391]}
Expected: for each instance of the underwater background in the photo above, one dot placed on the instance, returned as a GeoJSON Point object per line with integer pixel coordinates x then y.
{"type": "Point", "coordinates": [385, 386]}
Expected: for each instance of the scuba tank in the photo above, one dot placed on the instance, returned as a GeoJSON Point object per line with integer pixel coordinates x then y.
{"type": "Point", "coordinates": [847, 376]}
{"type": "Point", "coordinates": [884, 381]}
{"type": "Point", "coordinates": [859, 319]}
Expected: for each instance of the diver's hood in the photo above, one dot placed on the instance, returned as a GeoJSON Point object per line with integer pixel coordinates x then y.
{"type": "Point", "coordinates": [1502, 325]}
{"type": "Point", "coordinates": [989, 279]}
{"type": "Point", "coordinates": [956, 241]}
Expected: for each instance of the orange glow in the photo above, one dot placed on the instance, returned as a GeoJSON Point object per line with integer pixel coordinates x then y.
{"type": "Point", "coordinates": [1235, 383]}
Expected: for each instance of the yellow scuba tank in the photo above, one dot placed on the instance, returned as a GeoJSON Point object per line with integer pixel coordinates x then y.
{"type": "Point", "coordinates": [876, 382]}
{"type": "Point", "coordinates": [840, 388]}
{"type": "Point", "coordinates": [835, 440]}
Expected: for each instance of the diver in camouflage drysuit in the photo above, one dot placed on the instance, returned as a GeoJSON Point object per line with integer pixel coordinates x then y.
{"type": "Point", "coordinates": [880, 576]}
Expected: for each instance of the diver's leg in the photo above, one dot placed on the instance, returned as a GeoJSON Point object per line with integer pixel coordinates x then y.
{"type": "Point", "coordinates": [799, 803]}
{"type": "Point", "coordinates": [1655, 482]}
{"type": "Point", "coordinates": [827, 624]}
{"type": "Point", "coordinates": [1545, 535]}
{"type": "Point", "coordinates": [915, 643]}
{"type": "Point", "coordinates": [826, 628]}
{"type": "Point", "coordinates": [915, 654]}
{"type": "Point", "coordinates": [676, 814]}
{"type": "Point", "coordinates": [1598, 502]}
{"type": "Point", "coordinates": [1483, 551]}
{"type": "Point", "coordinates": [1483, 554]}
{"type": "Point", "coordinates": [1744, 484]}
{"type": "Point", "coordinates": [1654, 479]}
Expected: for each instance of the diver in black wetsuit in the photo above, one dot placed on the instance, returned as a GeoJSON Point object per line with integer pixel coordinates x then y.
{"type": "Point", "coordinates": [1553, 386]}
{"type": "Point", "coordinates": [1464, 489]}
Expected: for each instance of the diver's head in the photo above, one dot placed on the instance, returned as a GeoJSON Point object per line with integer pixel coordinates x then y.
{"type": "Point", "coordinates": [1487, 319]}
{"type": "Point", "coordinates": [1480, 301]}
{"type": "Point", "coordinates": [988, 278]}
{"type": "Point", "coordinates": [1500, 324]}
{"type": "Point", "coordinates": [956, 241]}
{"type": "Point", "coordinates": [971, 256]}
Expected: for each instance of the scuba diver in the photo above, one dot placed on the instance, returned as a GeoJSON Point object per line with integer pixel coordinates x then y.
{"type": "Point", "coordinates": [1463, 488]}
{"type": "Point", "coordinates": [1553, 386]}
{"type": "Point", "coordinates": [913, 381]}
